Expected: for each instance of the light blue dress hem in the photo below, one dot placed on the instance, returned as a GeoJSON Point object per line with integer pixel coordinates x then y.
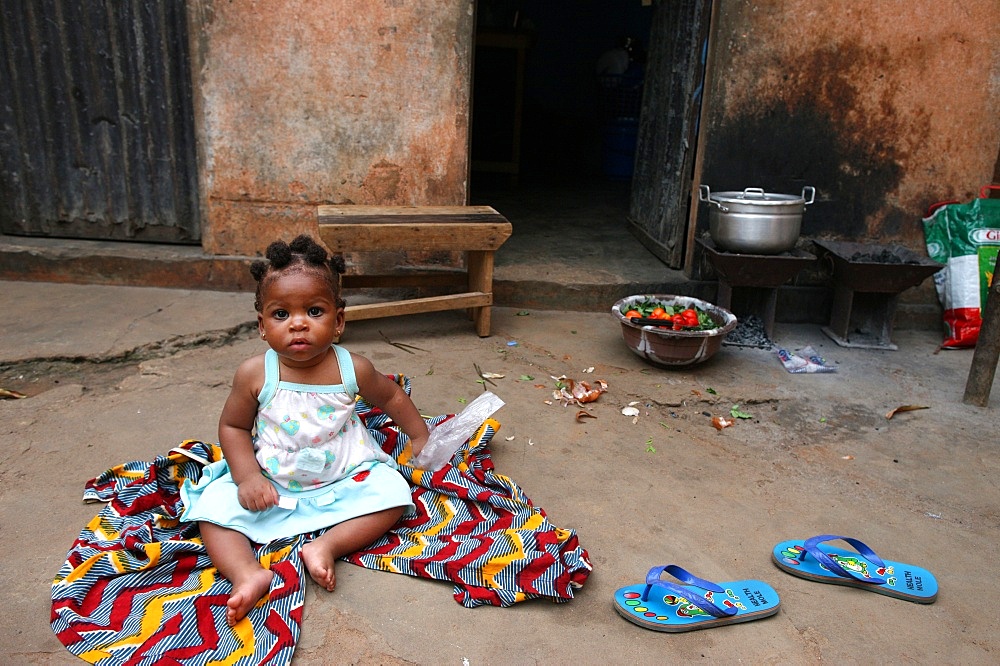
{"type": "Point", "coordinates": [368, 489]}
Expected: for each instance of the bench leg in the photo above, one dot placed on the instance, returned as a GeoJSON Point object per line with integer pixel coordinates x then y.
{"type": "Point", "coordinates": [480, 265]}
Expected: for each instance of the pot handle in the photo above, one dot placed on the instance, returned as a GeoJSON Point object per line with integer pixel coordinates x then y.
{"type": "Point", "coordinates": [758, 191]}
{"type": "Point", "coordinates": [705, 194]}
{"type": "Point", "coordinates": [812, 194]}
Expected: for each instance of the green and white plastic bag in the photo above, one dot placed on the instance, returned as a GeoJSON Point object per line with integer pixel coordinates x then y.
{"type": "Point", "coordinates": [965, 237]}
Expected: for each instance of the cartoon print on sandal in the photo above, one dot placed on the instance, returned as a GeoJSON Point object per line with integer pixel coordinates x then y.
{"type": "Point", "coordinates": [814, 560]}
{"type": "Point", "coordinates": [692, 605]}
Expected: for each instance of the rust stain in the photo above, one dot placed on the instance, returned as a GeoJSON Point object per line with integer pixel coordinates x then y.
{"type": "Point", "coordinates": [879, 120]}
{"type": "Point", "coordinates": [307, 103]}
{"type": "Point", "coordinates": [817, 125]}
{"type": "Point", "coordinates": [381, 185]}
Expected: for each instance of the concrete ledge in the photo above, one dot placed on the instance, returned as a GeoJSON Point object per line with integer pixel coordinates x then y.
{"type": "Point", "coordinates": [123, 264]}
{"type": "Point", "coordinates": [187, 267]}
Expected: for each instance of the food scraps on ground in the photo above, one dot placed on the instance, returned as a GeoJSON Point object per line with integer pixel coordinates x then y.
{"type": "Point", "coordinates": [584, 414]}
{"type": "Point", "coordinates": [9, 393]}
{"type": "Point", "coordinates": [721, 422]}
{"type": "Point", "coordinates": [738, 413]}
{"type": "Point", "coordinates": [573, 392]}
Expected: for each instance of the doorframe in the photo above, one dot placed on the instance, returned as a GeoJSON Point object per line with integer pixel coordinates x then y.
{"type": "Point", "coordinates": [699, 148]}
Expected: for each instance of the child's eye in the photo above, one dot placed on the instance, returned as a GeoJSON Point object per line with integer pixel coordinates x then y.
{"type": "Point", "coordinates": [315, 311]}
{"type": "Point", "coordinates": [280, 314]}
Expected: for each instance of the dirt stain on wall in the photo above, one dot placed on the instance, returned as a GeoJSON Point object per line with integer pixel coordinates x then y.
{"type": "Point", "coordinates": [829, 121]}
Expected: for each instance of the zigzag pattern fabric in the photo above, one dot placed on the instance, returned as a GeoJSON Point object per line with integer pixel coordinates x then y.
{"type": "Point", "coordinates": [473, 527]}
{"type": "Point", "coordinates": [138, 588]}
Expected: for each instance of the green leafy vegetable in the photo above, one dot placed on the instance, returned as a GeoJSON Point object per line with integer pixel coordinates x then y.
{"type": "Point", "coordinates": [737, 413]}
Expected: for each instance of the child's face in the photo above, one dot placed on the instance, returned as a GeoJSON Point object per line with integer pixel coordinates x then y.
{"type": "Point", "coordinates": [299, 318]}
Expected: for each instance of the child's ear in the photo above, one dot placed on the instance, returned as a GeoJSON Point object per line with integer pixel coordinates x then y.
{"type": "Point", "coordinates": [260, 326]}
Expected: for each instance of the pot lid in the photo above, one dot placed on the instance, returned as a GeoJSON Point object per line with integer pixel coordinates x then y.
{"type": "Point", "coordinates": [755, 195]}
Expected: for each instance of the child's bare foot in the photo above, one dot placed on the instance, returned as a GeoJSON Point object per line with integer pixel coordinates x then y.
{"type": "Point", "coordinates": [246, 594]}
{"type": "Point", "coordinates": [319, 562]}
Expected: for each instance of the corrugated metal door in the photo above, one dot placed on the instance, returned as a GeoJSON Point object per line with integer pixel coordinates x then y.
{"type": "Point", "coordinates": [96, 121]}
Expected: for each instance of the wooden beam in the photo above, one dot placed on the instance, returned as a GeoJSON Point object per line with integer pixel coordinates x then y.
{"type": "Point", "coordinates": [984, 359]}
{"type": "Point", "coordinates": [418, 305]}
{"type": "Point", "coordinates": [416, 228]}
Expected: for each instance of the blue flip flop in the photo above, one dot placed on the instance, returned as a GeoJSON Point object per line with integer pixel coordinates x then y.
{"type": "Point", "coordinates": [813, 560]}
{"type": "Point", "coordinates": [661, 605]}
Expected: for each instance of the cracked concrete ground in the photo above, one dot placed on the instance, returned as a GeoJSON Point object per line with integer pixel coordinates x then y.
{"type": "Point", "coordinates": [817, 456]}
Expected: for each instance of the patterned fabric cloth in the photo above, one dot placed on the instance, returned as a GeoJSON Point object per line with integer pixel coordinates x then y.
{"type": "Point", "coordinates": [138, 588]}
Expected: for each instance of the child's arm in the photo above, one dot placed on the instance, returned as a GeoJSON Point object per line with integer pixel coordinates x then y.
{"type": "Point", "coordinates": [387, 395]}
{"type": "Point", "coordinates": [235, 436]}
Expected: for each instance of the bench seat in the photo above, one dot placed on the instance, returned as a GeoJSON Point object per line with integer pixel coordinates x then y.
{"type": "Point", "coordinates": [478, 231]}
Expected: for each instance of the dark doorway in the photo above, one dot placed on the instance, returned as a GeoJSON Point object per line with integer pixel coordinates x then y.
{"type": "Point", "coordinates": [558, 100]}
{"type": "Point", "coordinates": [553, 79]}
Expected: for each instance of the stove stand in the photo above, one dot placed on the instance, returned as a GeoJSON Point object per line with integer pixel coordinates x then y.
{"type": "Point", "coordinates": [753, 280]}
{"type": "Point", "coordinates": [867, 281]}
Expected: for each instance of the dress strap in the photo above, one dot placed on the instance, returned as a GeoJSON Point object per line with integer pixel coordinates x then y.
{"type": "Point", "coordinates": [346, 365]}
{"type": "Point", "coordinates": [271, 377]}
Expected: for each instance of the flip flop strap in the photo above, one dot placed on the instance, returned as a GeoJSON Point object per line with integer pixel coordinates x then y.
{"type": "Point", "coordinates": [812, 548]}
{"type": "Point", "coordinates": [697, 599]}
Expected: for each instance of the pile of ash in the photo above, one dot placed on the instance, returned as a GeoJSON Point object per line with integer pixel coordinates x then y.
{"type": "Point", "coordinates": [749, 332]}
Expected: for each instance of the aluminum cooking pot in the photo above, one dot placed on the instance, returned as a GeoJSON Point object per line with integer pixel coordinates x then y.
{"type": "Point", "coordinates": [754, 221]}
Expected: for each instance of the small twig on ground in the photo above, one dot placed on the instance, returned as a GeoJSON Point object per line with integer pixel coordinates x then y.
{"type": "Point", "coordinates": [400, 345]}
{"type": "Point", "coordinates": [482, 375]}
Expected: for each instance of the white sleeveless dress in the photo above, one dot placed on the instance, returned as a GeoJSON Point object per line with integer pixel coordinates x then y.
{"type": "Point", "coordinates": [318, 454]}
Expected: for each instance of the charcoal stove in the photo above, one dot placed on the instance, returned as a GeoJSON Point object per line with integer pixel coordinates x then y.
{"type": "Point", "coordinates": [753, 279]}
{"type": "Point", "coordinates": [867, 281]}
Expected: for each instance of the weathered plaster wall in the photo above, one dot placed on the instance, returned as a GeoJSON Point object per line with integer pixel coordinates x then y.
{"type": "Point", "coordinates": [884, 107]}
{"type": "Point", "coordinates": [302, 103]}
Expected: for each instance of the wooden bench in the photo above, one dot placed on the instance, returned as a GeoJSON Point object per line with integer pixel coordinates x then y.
{"type": "Point", "coordinates": [475, 230]}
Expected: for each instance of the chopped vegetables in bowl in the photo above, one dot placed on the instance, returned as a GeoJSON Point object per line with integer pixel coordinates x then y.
{"type": "Point", "coordinates": [671, 330]}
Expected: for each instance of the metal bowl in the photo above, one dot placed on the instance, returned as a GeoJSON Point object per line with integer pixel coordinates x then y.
{"type": "Point", "coordinates": [669, 348]}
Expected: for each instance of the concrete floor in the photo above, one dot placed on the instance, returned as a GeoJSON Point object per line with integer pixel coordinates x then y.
{"type": "Point", "coordinates": [121, 373]}
{"type": "Point", "coordinates": [571, 248]}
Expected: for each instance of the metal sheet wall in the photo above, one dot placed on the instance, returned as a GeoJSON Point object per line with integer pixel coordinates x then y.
{"type": "Point", "coordinates": [96, 121]}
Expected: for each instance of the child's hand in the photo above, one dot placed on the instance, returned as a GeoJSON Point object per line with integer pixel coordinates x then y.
{"type": "Point", "coordinates": [417, 444]}
{"type": "Point", "coordinates": [257, 494]}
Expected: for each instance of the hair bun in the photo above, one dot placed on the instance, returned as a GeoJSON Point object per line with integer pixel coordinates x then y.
{"type": "Point", "coordinates": [279, 254]}
{"type": "Point", "coordinates": [258, 267]}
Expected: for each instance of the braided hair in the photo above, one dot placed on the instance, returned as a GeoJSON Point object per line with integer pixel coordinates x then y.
{"type": "Point", "coordinates": [302, 254]}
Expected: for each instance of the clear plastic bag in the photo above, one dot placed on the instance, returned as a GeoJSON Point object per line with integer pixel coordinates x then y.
{"type": "Point", "coordinates": [446, 438]}
{"type": "Point", "coordinates": [807, 360]}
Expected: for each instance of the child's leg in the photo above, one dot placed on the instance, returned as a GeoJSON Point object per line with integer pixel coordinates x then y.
{"type": "Point", "coordinates": [321, 553]}
{"type": "Point", "coordinates": [233, 556]}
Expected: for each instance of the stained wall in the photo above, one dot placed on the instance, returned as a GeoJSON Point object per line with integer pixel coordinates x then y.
{"type": "Point", "coordinates": [883, 107]}
{"type": "Point", "coordinates": [301, 103]}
